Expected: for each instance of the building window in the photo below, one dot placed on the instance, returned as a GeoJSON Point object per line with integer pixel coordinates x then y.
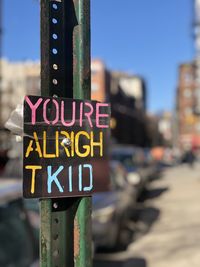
{"type": "Point", "coordinates": [187, 93]}
{"type": "Point", "coordinates": [188, 111]}
{"type": "Point", "coordinates": [94, 72]}
{"type": "Point", "coordinates": [197, 126]}
{"type": "Point", "coordinates": [188, 77]}
{"type": "Point", "coordinates": [95, 87]}
{"type": "Point", "coordinates": [197, 93]}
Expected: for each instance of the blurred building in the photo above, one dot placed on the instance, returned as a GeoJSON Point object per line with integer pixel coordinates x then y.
{"type": "Point", "coordinates": [165, 128]}
{"type": "Point", "coordinates": [152, 128]}
{"type": "Point", "coordinates": [128, 98]}
{"type": "Point", "coordinates": [187, 97]}
{"type": "Point", "coordinates": [131, 86]}
{"type": "Point", "coordinates": [196, 29]}
{"type": "Point", "coordinates": [18, 79]}
{"type": "Point", "coordinates": [127, 95]}
{"type": "Point", "coordinates": [125, 92]}
{"type": "Point", "coordinates": [188, 93]}
{"type": "Point", "coordinates": [100, 81]}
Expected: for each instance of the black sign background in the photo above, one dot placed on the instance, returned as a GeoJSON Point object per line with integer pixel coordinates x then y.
{"type": "Point", "coordinates": [99, 164]}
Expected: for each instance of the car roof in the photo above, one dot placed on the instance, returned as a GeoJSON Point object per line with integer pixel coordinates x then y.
{"type": "Point", "coordinates": [10, 189]}
{"type": "Point", "coordinates": [125, 150]}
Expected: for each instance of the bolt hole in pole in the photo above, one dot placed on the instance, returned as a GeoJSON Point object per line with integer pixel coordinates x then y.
{"type": "Point", "coordinates": [55, 82]}
{"type": "Point", "coordinates": [55, 36]}
{"type": "Point", "coordinates": [56, 253]}
{"type": "Point", "coordinates": [55, 6]}
{"type": "Point", "coordinates": [55, 51]}
{"type": "Point", "coordinates": [56, 220]}
{"type": "Point", "coordinates": [55, 205]}
{"type": "Point", "coordinates": [54, 20]}
{"type": "Point", "coordinates": [55, 66]}
{"type": "Point", "coordinates": [55, 237]}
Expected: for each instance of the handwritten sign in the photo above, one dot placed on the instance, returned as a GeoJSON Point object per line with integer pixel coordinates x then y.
{"type": "Point", "coordinates": [64, 147]}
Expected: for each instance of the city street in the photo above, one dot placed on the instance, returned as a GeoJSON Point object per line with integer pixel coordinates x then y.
{"type": "Point", "coordinates": [100, 133]}
{"type": "Point", "coordinates": [169, 222]}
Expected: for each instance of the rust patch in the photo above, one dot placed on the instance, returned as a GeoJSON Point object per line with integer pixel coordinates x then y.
{"type": "Point", "coordinates": [76, 239]}
{"type": "Point", "coordinates": [75, 2]}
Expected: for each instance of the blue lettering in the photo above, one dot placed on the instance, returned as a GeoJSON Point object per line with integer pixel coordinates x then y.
{"type": "Point", "coordinates": [89, 188]}
{"type": "Point", "coordinates": [80, 178]}
{"type": "Point", "coordinates": [53, 178]}
{"type": "Point", "coordinates": [86, 188]}
{"type": "Point", "coordinates": [70, 179]}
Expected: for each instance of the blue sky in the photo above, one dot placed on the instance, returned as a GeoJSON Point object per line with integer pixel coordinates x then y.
{"type": "Point", "coordinates": [146, 37]}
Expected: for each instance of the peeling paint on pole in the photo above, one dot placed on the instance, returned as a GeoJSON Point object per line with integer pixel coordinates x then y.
{"type": "Point", "coordinates": [76, 239]}
{"type": "Point", "coordinates": [83, 218]}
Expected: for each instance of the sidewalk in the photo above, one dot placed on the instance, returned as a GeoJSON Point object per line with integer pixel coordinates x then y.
{"type": "Point", "coordinates": [174, 239]}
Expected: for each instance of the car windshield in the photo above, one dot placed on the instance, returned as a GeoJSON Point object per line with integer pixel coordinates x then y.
{"type": "Point", "coordinates": [126, 159]}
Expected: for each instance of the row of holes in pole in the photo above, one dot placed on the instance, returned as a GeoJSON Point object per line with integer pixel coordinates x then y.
{"type": "Point", "coordinates": [55, 237]}
{"type": "Point", "coordinates": [55, 82]}
{"type": "Point", "coordinates": [54, 50]}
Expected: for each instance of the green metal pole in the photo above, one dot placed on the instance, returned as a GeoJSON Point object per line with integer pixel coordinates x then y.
{"type": "Point", "coordinates": [65, 236]}
{"type": "Point", "coordinates": [82, 90]}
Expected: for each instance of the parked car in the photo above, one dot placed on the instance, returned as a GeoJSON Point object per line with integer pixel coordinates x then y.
{"type": "Point", "coordinates": [4, 147]}
{"type": "Point", "coordinates": [111, 210]}
{"type": "Point", "coordinates": [153, 167]}
{"type": "Point", "coordinates": [19, 240]}
{"type": "Point", "coordinates": [133, 159]}
{"type": "Point", "coordinates": [13, 168]}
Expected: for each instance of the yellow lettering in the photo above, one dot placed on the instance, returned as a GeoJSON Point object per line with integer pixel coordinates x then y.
{"type": "Point", "coordinates": [93, 144]}
{"type": "Point", "coordinates": [45, 154]}
{"type": "Point", "coordinates": [86, 147]}
{"type": "Point", "coordinates": [33, 168]}
{"type": "Point", "coordinates": [30, 146]}
{"type": "Point", "coordinates": [72, 144]}
{"type": "Point", "coordinates": [57, 144]}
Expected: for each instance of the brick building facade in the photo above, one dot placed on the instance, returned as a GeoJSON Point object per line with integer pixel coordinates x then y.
{"type": "Point", "coordinates": [127, 95]}
{"type": "Point", "coordinates": [188, 120]}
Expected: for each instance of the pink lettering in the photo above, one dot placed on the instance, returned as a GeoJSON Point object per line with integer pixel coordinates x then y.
{"type": "Point", "coordinates": [73, 114]}
{"type": "Point", "coordinates": [88, 114]}
{"type": "Point", "coordinates": [33, 108]}
{"type": "Point", "coordinates": [45, 111]}
{"type": "Point", "coordinates": [99, 115]}
{"type": "Point", "coordinates": [69, 113]}
{"type": "Point", "coordinates": [81, 114]}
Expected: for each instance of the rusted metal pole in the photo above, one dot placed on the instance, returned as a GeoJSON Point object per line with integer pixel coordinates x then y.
{"type": "Point", "coordinates": [82, 90]}
{"type": "Point", "coordinates": [1, 37]}
{"type": "Point", "coordinates": [65, 72]}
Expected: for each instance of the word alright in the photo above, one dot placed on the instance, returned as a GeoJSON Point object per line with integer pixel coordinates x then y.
{"type": "Point", "coordinates": [60, 149]}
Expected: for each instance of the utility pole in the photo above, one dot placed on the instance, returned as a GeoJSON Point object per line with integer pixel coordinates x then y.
{"type": "Point", "coordinates": [65, 121]}
{"type": "Point", "coordinates": [65, 72]}
{"type": "Point", "coordinates": [1, 34]}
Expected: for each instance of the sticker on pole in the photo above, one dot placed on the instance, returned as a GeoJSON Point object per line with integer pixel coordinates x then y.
{"type": "Point", "coordinates": [65, 143]}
